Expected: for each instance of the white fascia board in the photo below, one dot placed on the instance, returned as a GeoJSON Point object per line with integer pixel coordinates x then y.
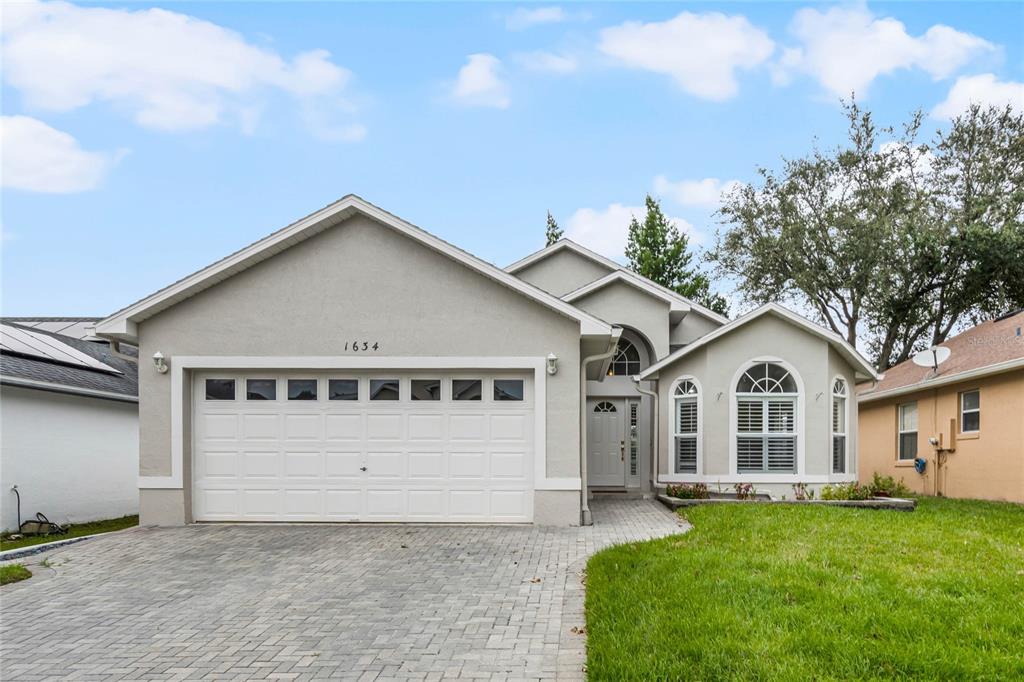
{"type": "Point", "coordinates": [555, 248]}
{"type": "Point", "coordinates": [844, 348]}
{"type": "Point", "coordinates": [676, 303]}
{"type": "Point", "coordinates": [68, 390]}
{"type": "Point", "coordinates": [967, 375]}
{"type": "Point", "coordinates": [122, 323]}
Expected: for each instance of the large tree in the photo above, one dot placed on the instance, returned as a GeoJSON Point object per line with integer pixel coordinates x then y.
{"type": "Point", "coordinates": [657, 250]}
{"type": "Point", "coordinates": [887, 240]}
{"type": "Point", "coordinates": [553, 232]}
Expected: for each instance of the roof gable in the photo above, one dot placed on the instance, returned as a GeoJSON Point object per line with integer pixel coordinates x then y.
{"type": "Point", "coordinates": [559, 246]}
{"type": "Point", "coordinates": [848, 352]}
{"type": "Point", "coordinates": [122, 324]}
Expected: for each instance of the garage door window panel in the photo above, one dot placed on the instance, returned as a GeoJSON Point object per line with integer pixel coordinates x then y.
{"type": "Point", "coordinates": [508, 389]}
{"type": "Point", "coordinates": [261, 389]}
{"type": "Point", "coordinates": [302, 389]}
{"type": "Point", "coordinates": [343, 389]}
{"type": "Point", "coordinates": [384, 389]}
{"type": "Point", "coordinates": [220, 389]}
{"type": "Point", "coordinates": [426, 389]}
{"type": "Point", "coordinates": [467, 389]}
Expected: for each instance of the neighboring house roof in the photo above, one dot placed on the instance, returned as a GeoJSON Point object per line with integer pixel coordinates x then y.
{"type": "Point", "coordinates": [75, 327]}
{"type": "Point", "coordinates": [613, 276]}
{"type": "Point", "coordinates": [989, 348]}
{"type": "Point", "coordinates": [849, 353]}
{"type": "Point", "coordinates": [33, 371]}
{"type": "Point", "coordinates": [122, 324]}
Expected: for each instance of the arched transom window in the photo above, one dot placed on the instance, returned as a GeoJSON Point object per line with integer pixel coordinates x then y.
{"type": "Point", "coordinates": [605, 406]}
{"type": "Point", "coordinates": [766, 420]}
{"type": "Point", "coordinates": [687, 427]}
{"type": "Point", "coordinates": [839, 426]}
{"type": "Point", "coordinates": [626, 361]}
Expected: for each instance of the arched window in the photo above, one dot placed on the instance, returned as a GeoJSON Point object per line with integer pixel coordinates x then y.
{"type": "Point", "coordinates": [687, 426]}
{"type": "Point", "coordinates": [766, 420]}
{"type": "Point", "coordinates": [839, 426]}
{"type": "Point", "coordinates": [605, 406]}
{"type": "Point", "coordinates": [626, 361]}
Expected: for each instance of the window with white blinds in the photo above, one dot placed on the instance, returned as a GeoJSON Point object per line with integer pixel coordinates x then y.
{"type": "Point", "coordinates": [687, 427]}
{"type": "Point", "coordinates": [839, 426]}
{"type": "Point", "coordinates": [766, 421]}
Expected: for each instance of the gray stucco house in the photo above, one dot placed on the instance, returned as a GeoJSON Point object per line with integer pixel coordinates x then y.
{"type": "Point", "coordinates": [353, 367]}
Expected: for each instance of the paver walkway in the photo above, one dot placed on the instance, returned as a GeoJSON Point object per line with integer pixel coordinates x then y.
{"type": "Point", "coordinates": [359, 602]}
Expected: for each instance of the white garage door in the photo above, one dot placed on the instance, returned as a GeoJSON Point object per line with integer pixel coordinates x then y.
{"type": "Point", "coordinates": [380, 446]}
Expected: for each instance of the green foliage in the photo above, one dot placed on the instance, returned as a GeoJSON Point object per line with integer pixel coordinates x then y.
{"type": "Point", "coordinates": [813, 592]}
{"type": "Point", "coordinates": [657, 250]}
{"type": "Point", "coordinates": [802, 493]}
{"type": "Point", "coordinates": [847, 491]}
{"type": "Point", "coordinates": [888, 486]}
{"type": "Point", "coordinates": [553, 232]}
{"type": "Point", "coordinates": [12, 573]}
{"type": "Point", "coordinates": [745, 491]}
{"type": "Point", "coordinates": [685, 491]}
{"type": "Point", "coordinates": [896, 241]}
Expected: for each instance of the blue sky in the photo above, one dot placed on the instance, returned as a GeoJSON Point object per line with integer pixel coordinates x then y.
{"type": "Point", "coordinates": [144, 141]}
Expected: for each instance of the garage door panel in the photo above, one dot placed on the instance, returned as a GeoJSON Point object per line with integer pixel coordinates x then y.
{"type": "Point", "coordinates": [343, 427]}
{"type": "Point", "coordinates": [362, 460]}
{"type": "Point", "coordinates": [303, 464]}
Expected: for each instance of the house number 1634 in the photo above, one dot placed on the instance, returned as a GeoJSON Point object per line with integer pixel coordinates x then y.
{"type": "Point", "coordinates": [360, 346]}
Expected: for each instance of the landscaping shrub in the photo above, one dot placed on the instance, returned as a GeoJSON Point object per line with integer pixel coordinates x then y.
{"type": "Point", "coordinates": [686, 491]}
{"type": "Point", "coordinates": [802, 493]}
{"type": "Point", "coordinates": [887, 486]}
{"type": "Point", "coordinates": [744, 491]}
{"type": "Point", "coordinates": [847, 491]}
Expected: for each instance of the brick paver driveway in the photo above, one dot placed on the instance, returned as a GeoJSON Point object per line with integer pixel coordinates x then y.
{"type": "Point", "coordinates": [314, 601]}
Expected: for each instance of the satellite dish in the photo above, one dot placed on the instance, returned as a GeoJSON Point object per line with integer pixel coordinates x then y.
{"type": "Point", "coordinates": [932, 357]}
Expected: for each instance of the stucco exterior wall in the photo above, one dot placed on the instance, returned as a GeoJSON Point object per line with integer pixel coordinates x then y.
{"type": "Point", "coordinates": [691, 328]}
{"type": "Point", "coordinates": [358, 280]}
{"type": "Point", "coordinates": [73, 458]}
{"type": "Point", "coordinates": [624, 305]}
{"type": "Point", "coordinates": [716, 366]}
{"type": "Point", "coordinates": [988, 464]}
{"type": "Point", "coordinates": [562, 272]}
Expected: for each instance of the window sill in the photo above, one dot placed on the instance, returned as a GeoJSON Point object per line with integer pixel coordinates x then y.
{"type": "Point", "coordinates": [971, 435]}
{"type": "Point", "coordinates": [904, 462]}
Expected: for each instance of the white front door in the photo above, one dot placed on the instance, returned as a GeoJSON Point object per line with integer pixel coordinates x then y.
{"type": "Point", "coordinates": [384, 445]}
{"type": "Point", "coordinates": [606, 447]}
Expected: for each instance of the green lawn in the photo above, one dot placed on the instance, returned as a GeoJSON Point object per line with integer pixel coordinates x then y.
{"type": "Point", "coordinates": [786, 592]}
{"type": "Point", "coordinates": [77, 530]}
{"type": "Point", "coordinates": [12, 573]}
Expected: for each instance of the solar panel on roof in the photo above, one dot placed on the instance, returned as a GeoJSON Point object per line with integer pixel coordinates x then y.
{"type": "Point", "coordinates": [27, 342]}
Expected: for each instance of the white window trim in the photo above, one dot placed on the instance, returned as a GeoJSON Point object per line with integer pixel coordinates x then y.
{"type": "Point", "coordinates": [671, 454]}
{"type": "Point", "coordinates": [180, 364]}
{"type": "Point", "coordinates": [801, 467]}
{"type": "Point", "coordinates": [900, 431]}
{"type": "Point", "coordinates": [846, 425]}
{"type": "Point", "coordinates": [971, 411]}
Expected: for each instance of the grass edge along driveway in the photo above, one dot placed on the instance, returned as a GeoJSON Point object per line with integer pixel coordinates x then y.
{"type": "Point", "coordinates": [12, 573]}
{"type": "Point", "coordinates": [786, 592]}
{"type": "Point", "coordinates": [75, 531]}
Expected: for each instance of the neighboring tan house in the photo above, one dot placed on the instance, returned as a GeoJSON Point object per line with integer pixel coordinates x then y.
{"type": "Point", "coordinates": [973, 406]}
{"type": "Point", "coordinates": [69, 427]}
{"type": "Point", "coordinates": [353, 367]}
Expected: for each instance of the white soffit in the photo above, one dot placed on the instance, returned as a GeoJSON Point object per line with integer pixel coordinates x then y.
{"type": "Point", "coordinates": [33, 344]}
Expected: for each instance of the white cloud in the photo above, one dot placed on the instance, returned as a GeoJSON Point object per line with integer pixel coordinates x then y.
{"type": "Point", "coordinates": [39, 158]}
{"type": "Point", "coordinates": [701, 52]}
{"type": "Point", "coordinates": [706, 193]}
{"type": "Point", "coordinates": [170, 71]}
{"type": "Point", "coordinates": [525, 17]}
{"type": "Point", "coordinates": [479, 83]}
{"type": "Point", "coordinates": [983, 89]}
{"type": "Point", "coordinates": [547, 62]}
{"type": "Point", "coordinates": [605, 230]}
{"type": "Point", "coordinates": [846, 48]}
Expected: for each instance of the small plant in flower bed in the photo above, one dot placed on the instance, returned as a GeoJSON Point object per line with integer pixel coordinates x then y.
{"type": "Point", "coordinates": [847, 491]}
{"type": "Point", "coordinates": [686, 491]}
{"type": "Point", "coordinates": [802, 493]}
{"type": "Point", "coordinates": [744, 491]}
{"type": "Point", "coordinates": [887, 486]}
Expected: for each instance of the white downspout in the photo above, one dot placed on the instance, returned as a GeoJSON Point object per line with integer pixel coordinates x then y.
{"type": "Point", "coordinates": [657, 432]}
{"type": "Point", "coordinates": [585, 518]}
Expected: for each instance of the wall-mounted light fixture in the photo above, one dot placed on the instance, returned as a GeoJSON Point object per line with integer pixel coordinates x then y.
{"type": "Point", "coordinates": [159, 362]}
{"type": "Point", "coordinates": [552, 364]}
